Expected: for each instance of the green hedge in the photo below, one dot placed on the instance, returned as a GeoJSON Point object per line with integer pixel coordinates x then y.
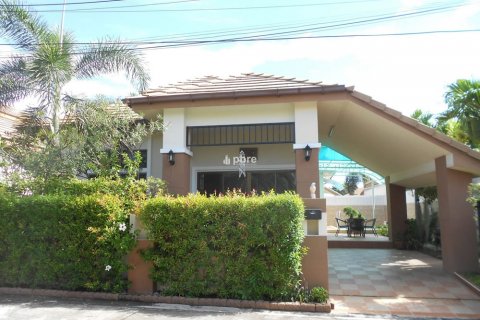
{"type": "Point", "coordinates": [129, 190]}
{"type": "Point", "coordinates": [230, 246]}
{"type": "Point", "coordinates": [64, 242]}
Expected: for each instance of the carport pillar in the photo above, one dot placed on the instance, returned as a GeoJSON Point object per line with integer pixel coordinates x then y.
{"type": "Point", "coordinates": [397, 210]}
{"type": "Point", "coordinates": [456, 216]}
{"type": "Point", "coordinates": [315, 262]}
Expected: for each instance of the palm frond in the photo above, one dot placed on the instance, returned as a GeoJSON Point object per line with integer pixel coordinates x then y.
{"type": "Point", "coordinates": [14, 83]}
{"type": "Point", "coordinates": [24, 27]}
{"type": "Point", "coordinates": [109, 56]}
{"type": "Point", "coordinates": [463, 99]}
{"type": "Point", "coordinates": [51, 63]}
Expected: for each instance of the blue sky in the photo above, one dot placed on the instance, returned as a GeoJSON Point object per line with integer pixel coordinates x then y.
{"type": "Point", "coordinates": [405, 72]}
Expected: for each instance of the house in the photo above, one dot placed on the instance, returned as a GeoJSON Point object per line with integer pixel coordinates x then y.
{"type": "Point", "coordinates": [8, 120]}
{"type": "Point", "coordinates": [255, 131]}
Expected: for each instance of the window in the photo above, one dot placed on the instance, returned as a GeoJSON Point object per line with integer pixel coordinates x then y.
{"type": "Point", "coordinates": [221, 182]}
{"type": "Point", "coordinates": [242, 134]}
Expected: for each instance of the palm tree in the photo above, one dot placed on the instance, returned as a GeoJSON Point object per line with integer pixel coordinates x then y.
{"type": "Point", "coordinates": [463, 100]}
{"type": "Point", "coordinates": [423, 117]}
{"type": "Point", "coordinates": [47, 63]}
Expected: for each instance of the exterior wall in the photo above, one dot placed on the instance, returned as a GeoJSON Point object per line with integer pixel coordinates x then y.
{"type": "Point", "coordinates": [174, 135]}
{"type": "Point", "coordinates": [242, 114]}
{"type": "Point", "coordinates": [139, 273]}
{"type": "Point", "coordinates": [315, 262]}
{"type": "Point", "coordinates": [177, 176]}
{"type": "Point", "coordinates": [155, 156]}
{"type": "Point", "coordinates": [306, 128]}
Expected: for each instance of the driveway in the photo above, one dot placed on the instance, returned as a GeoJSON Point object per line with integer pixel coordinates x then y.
{"type": "Point", "coordinates": [388, 281]}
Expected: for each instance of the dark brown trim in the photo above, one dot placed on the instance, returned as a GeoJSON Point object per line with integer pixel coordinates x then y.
{"type": "Point", "coordinates": [234, 94]}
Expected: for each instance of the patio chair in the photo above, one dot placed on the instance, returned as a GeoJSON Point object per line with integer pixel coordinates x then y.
{"type": "Point", "coordinates": [370, 225]}
{"type": "Point", "coordinates": [341, 224]}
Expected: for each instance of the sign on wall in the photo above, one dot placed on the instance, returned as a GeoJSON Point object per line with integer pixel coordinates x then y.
{"type": "Point", "coordinates": [241, 161]}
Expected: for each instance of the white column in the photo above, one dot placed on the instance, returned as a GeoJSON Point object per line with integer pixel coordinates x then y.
{"type": "Point", "coordinates": [175, 134]}
{"type": "Point", "coordinates": [306, 124]}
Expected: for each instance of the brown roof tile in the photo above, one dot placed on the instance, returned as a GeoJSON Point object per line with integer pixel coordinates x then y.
{"type": "Point", "coordinates": [244, 85]}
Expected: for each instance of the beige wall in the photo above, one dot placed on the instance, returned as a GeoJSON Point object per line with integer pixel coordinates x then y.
{"type": "Point", "coordinates": [380, 213]}
{"type": "Point", "coordinates": [242, 114]}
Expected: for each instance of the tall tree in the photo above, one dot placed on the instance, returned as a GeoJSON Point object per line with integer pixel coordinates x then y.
{"type": "Point", "coordinates": [351, 181]}
{"type": "Point", "coordinates": [463, 100]}
{"type": "Point", "coordinates": [96, 136]}
{"type": "Point", "coordinates": [46, 63]}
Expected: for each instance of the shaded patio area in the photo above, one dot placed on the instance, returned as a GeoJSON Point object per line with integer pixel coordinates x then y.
{"type": "Point", "coordinates": [370, 241]}
{"type": "Point", "coordinates": [379, 281]}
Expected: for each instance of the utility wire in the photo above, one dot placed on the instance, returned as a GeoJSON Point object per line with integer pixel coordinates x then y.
{"type": "Point", "coordinates": [207, 42]}
{"type": "Point", "coordinates": [58, 4]}
{"type": "Point", "coordinates": [303, 28]}
{"type": "Point", "coordinates": [274, 27]}
{"type": "Point", "coordinates": [108, 9]}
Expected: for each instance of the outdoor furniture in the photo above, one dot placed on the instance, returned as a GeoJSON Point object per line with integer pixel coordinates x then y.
{"type": "Point", "coordinates": [341, 224]}
{"type": "Point", "coordinates": [356, 226]}
{"type": "Point", "coordinates": [370, 225]}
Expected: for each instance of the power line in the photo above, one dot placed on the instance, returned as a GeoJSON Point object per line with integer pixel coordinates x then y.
{"type": "Point", "coordinates": [207, 42]}
{"type": "Point", "coordinates": [108, 9]}
{"type": "Point", "coordinates": [59, 4]}
{"type": "Point", "coordinates": [303, 28]}
{"type": "Point", "coordinates": [179, 44]}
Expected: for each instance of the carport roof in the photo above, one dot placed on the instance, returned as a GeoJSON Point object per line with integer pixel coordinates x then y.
{"type": "Point", "coordinates": [367, 131]}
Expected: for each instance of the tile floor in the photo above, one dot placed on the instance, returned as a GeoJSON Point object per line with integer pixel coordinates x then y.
{"type": "Point", "coordinates": [379, 281]}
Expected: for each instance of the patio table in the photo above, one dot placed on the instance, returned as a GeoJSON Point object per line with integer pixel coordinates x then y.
{"type": "Point", "coordinates": [356, 226]}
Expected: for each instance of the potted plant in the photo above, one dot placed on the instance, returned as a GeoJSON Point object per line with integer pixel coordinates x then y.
{"type": "Point", "coordinates": [350, 212]}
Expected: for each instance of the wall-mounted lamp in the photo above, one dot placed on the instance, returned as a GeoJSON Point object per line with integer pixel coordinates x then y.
{"type": "Point", "coordinates": [171, 157]}
{"type": "Point", "coordinates": [308, 152]}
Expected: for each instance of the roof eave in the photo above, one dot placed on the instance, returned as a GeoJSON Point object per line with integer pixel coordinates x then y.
{"type": "Point", "coordinates": [235, 94]}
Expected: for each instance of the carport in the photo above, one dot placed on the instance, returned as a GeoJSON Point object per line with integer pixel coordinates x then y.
{"type": "Point", "coordinates": [409, 155]}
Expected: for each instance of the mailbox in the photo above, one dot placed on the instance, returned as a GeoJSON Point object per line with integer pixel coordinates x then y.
{"type": "Point", "coordinates": [313, 214]}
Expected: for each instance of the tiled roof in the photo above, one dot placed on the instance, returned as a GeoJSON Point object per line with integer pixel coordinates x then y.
{"type": "Point", "coordinates": [247, 84]}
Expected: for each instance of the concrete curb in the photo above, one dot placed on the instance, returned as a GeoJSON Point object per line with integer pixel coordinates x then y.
{"type": "Point", "coordinates": [233, 303]}
{"type": "Point", "coordinates": [470, 285]}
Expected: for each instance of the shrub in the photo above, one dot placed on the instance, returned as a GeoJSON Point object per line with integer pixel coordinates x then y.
{"type": "Point", "coordinates": [229, 246]}
{"type": "Point", "coordinates": [411, 237]}
{"type": "Point", "coordinates": [64, 242]}
{"type": "Point", "coordinates": [318, 294]}
{"type": "Point", "coordinates": [382, 230]}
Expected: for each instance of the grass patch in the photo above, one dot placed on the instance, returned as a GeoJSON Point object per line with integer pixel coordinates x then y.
{"type": "Point", "coordinates": [473, 278]}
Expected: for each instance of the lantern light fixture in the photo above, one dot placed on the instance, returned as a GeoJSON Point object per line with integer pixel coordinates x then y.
{"type": "Point", "coordinates": [308, 152]}
{"type": "Point", "coordinates": [171, 157]}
